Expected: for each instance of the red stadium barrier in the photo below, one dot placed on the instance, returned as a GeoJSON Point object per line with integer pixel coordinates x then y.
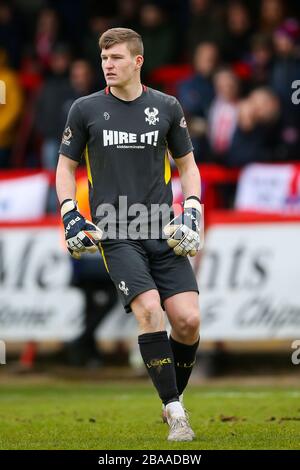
{"type": "Point", "coordinates": [217, 217]}
{"type": "Point", "coordinates": [212, 176]}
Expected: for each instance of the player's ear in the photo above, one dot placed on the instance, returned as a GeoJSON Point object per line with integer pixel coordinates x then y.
{"type": "Point", "coordinates": [139, 60]}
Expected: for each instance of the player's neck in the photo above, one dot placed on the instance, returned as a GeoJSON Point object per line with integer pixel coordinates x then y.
{"type": "Point", "coordinates": [129, 92]}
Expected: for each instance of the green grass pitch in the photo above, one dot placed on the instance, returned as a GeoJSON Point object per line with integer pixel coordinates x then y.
{"type": "Point", "coordinates": [73, 415]}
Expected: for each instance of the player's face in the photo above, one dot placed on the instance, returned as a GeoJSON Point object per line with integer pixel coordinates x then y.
{"type": "Point", "coordinates": [118, 65]}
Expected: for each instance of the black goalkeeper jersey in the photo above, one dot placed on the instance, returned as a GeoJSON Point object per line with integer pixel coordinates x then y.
{"type": "Point", "coordinates": [126, 146]}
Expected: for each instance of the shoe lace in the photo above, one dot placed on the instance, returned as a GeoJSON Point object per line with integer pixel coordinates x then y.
{"type": "Point", "coordinates": [187, 414]}
{"type": "Point", "coordinates": [180, 422]}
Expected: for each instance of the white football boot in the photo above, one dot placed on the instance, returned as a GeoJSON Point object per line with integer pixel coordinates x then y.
{"type": "Point", "coordinates": [180, 429]}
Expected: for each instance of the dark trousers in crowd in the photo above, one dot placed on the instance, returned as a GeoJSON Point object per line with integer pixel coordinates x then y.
{"type": "Point", "coordinates": [100, 294]}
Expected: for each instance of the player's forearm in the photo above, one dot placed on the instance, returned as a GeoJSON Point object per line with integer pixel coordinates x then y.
{"type": "Point", "coordinates": [190, 180]}
{"type": "Point", "coordinates": [65, 183]}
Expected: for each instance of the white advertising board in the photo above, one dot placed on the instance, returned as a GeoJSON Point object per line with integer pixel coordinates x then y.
{"type": "Point", "coordinates": [269, 188]}
{"type": "Point", "coordinates": [36, 300]}
{"type": "Point", "coordinates": [249, 282]}
{"type": "Point", "coordinates": [23, 198]}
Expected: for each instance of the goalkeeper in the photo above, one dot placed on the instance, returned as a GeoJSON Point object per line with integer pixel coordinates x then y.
{"type": "Point", "coordinates": [126, 132]}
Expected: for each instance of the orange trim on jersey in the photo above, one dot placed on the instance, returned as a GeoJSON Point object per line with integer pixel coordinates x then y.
{"type": "Point", "coordinates": [144, 87]}
{"type": "Point", "coordinates": [103, 256]}
{"type": "Point", "coordinates": [107, 90]}
{"type": "Point", "coordinates": [88, 166]}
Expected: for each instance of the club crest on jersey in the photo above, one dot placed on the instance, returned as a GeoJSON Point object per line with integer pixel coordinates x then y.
{"type": "Point", "coordinates": [123, 288]}
{"type": "Point", "coordinates": [151, 116]}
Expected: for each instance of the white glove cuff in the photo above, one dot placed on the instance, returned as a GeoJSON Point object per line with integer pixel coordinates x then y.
{"type": "Point", "coordinates": [67, 207]}
{"type": "Point", "coordinates": [193, 204]}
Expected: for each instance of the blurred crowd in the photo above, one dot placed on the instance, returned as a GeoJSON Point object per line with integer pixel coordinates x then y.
{"type": "Point", "coordinates": [231, 64]}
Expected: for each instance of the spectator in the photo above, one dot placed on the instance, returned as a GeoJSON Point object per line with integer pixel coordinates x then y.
{"type": "Point", "coordinates": [81, 84]}
{"type": "Point", "coordinates": [90, 50]}
{"type": "Point", "coordinates": [265, 105]}
{"type": "Point", "coordinates": [46, 36]}
{"type": "Point", "coordinates": [223, 113]}
{"type": "Point", "coordinates": [261, 60]}
{"type": "Point", "coordinates": [272, 13]}
{"type": "Point", "coordinates": [30, 74]}
{"type": "Point", "coordinates": [10, 33]}
{"type": "Point", "coordinates": [236, 42]}
{"type": "Point", "coordinates": [27, 12]}
{"type": "Point", "coordinates": [196, 95]}
{"type": "Point", "coordinates": [73, 17]}
{"type": "Point", "coordinates": [54, 93]}
{"type": "Point", "coordinates": [204, 25]}
{"type": "Point", "coordinates": [129, 13]}
{"type": "Point", "coordinates": [10, 109]}
{"type": "Point", "coordinates": [158, 37]}
{"type": "Point", "coordinates": [253, 139]}
{"type": "Point", "coordinates": [27, 143]}
{"type": "Point", "coordinates": [82, 78]}
{"type": "Point", "coordinates": [197, 92]}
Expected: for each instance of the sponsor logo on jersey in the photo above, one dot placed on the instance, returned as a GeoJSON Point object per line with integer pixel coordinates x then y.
{"type": "Point", "coordinates": [106, 116]}
{"type": "Point", "coordinates": [151, 118]}
{"type": "Point", "coordinates": [129, 140]}
{"type": "Point", "coordinates": [67, 136]}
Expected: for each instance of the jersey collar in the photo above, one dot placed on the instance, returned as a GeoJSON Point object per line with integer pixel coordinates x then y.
{"type": "Point", "coordinates": [108, 92]}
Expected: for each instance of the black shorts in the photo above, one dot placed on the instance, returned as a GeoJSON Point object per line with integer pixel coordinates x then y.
{"type": "Point", "coordinates": [136, 266]}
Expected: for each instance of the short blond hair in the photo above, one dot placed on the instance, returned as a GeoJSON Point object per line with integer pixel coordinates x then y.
{"type": "Point", "coordinates": [122, 35]}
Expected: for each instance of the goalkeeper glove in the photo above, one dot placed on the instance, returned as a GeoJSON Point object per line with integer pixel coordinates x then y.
{"type": "Point", "coordinates": [81, 234]}
{"type": "Point", "coordinates": [184, 230]}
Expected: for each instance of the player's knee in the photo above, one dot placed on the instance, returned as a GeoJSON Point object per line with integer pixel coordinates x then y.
{"type": "Point", "coordinates": [193, 322]}
{"type": "Point", "coordinates": [152, 314]}
{"type": "Point", "coordinates": [189, 326]}
{"type": "Point", "coordinates": [149, 313]}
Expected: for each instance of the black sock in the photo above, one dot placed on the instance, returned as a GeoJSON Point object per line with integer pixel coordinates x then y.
{"type": "Point", "coordinates": [184, 359]}
{"type": "Point", "coordinates": [158, 358]}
